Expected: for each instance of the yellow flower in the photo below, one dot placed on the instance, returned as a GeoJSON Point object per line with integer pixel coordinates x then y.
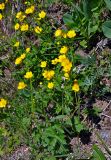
{"type": "Point", "coordinates": [48, 74]}
{"type": "Point", "coordinates": [28, 75]}
{"type": "Point", "coordinates": [18, 60]}
{"type": "Point", "coordinates": [64, 35]}
{"type": "Point", "coordinates": [54, 61]}
{"type": "Point", "coordinates": [20, 16]}
{"type": "Point", "coordinates": [66, 75]}
{"type": "Point", "coordinates": [21, 85]}
{"type": "Point", "coordinates": [23, 56]}
{"type": "Point", "coordinates": [50, 85]}
{"type": "Point", "coordinates": [27, 50]}
{"type": "Point", "coordinates": [30, 10]}
{"type": "Point", "coordinates": [61, 58]}
{"type": "Point", "coordinates": [17, 44]}
{"type": "Point", "coordinates": [24, 27]}
{"type": "Point", "coordinates": [58, 32]}
{"type": "Point", "coordinates": [38, 29]}
{"type": "Point", "coordinates": [1, 16]}
{"type": "Point", "coordinates": [17, 25]}
{"type": "Point", "coordinates": [75, 86]}
{"type": "Point", "coordinates": [67, 65]}
{"type": "Point", "coordinates": [42, 14]}
{"type": "Point", "coordinates": [3, 103]}
{"type": "Point", "coordinates": [43, 64]}
{"type": "Point", "coordinates": [71, 34]}
{"type": "Point", "coordinates": [64, 50]}
{"type": "Point", "coordinates": [2, 6]}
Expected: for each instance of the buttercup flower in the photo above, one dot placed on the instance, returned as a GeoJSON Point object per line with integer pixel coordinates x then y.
{"type": "Point", "coordinates": [23, 56]}
{"type": "Point", "coordinates": [18, 60]}
{"type": "Point", "coordinates": [67, 65]}
{"type": "Point", "coordinates": [17, 26]}
{"type": "Point", "coordinates": [71, 34]}
{"type": "Point", "coordinates": [3, 103]}
{"type": "Point", "coordinates": [42, 14]}
{"type": "Point", "coordinates": [38, 29]}
{"type": "Point", "coordinates": [48, 74]}
{"type": "Point", "coordinates": [50, 85]}
{"type": "Point", "coordinates": [1, 16]}
{"type": "Point", "coordinates": [2, 6]}
{"type": "Point", "coordinates": [28, 75]}
{"type": "Point", "coordinates": [27, 50]}
{"type": "Point", "coordinates": [30, 10]}
{"type": "Point", "coordinates": [75, 86]}
{"type": "Point", "coordinates": [43, 64]}
{"type": "Point", "coordinates": [21, 85]}
{"type": "Point", "coordinates": [20, 16]}
{"type": "Point", "coordinates": [61, 58]}
{"type": "Point", "coordinates": [17, 44]}
{"type": "Point", "coordinates": [24, 27]}
{"type": "Point", "coordinates": [54, 61]}
{"type": "Point", "coordinates": [64, 50]}
{"type": "Point", "coordinates": [58, 33]}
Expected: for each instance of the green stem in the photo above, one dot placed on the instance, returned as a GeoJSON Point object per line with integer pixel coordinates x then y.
{"type": "Point", "coordinates": [77, 104]}
{"type": "Point", "coordinates": [32, 99]}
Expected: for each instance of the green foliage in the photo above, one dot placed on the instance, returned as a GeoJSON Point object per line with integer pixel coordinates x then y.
{"type": "Point", "coordinates": [106, 27]}
{"type": "Point", "coordinates": [108, 4]}
{"type": "Point", "coordinates": [85, 17]}
{"type": "Point", "coordinates": [78, 125]}
{"type": "Point", "coordinates": [98, 154]}
{"type": "Point", "coordinates": [43, 118]}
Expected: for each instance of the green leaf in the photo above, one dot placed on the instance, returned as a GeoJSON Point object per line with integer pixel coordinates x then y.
{"type": "Point", "coordinates": [86, 9]}
{"type": "Point", "coordinates": [79, 127]}
{"type": "Point", "coordinates": [50, 158]}
{"type": "Point", "coordinates": [98, 154]}
{"type": "Point", "coordinates": [108, 4]}
{"type": "Point", "coordinates": [68, 19]}
{"type": "Point", "coordinates": [106, 27]}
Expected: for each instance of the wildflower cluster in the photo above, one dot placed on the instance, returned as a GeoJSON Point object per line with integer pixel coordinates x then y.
{"type": "Point", "coordinates": [20, 16]}
{"type": "Point", "coordinates": [62, 59]}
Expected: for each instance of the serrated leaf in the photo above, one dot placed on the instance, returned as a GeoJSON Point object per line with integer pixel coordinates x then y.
{"type": "Point", "coordinates": [79, 127]}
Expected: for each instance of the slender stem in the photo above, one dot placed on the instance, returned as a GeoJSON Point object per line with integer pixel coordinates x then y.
{"type": "Point", "coordinates": [77, 104]}
{"type": "Point", "coordinates": [32, 100]}
{"type": "Point", "coordinates": [62, 102]}
{"type": "Point", "coordinates": [76, 98]}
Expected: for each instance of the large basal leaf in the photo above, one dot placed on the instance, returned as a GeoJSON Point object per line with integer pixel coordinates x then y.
{"type": "Point", "coordinates": [106, 27]}
{"type": "Point", "coordinates": [68, 19]}
{"type": "Point", "coordinates": [98, 154]}
{"type": "Point", "coordinates": [108, 4]}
